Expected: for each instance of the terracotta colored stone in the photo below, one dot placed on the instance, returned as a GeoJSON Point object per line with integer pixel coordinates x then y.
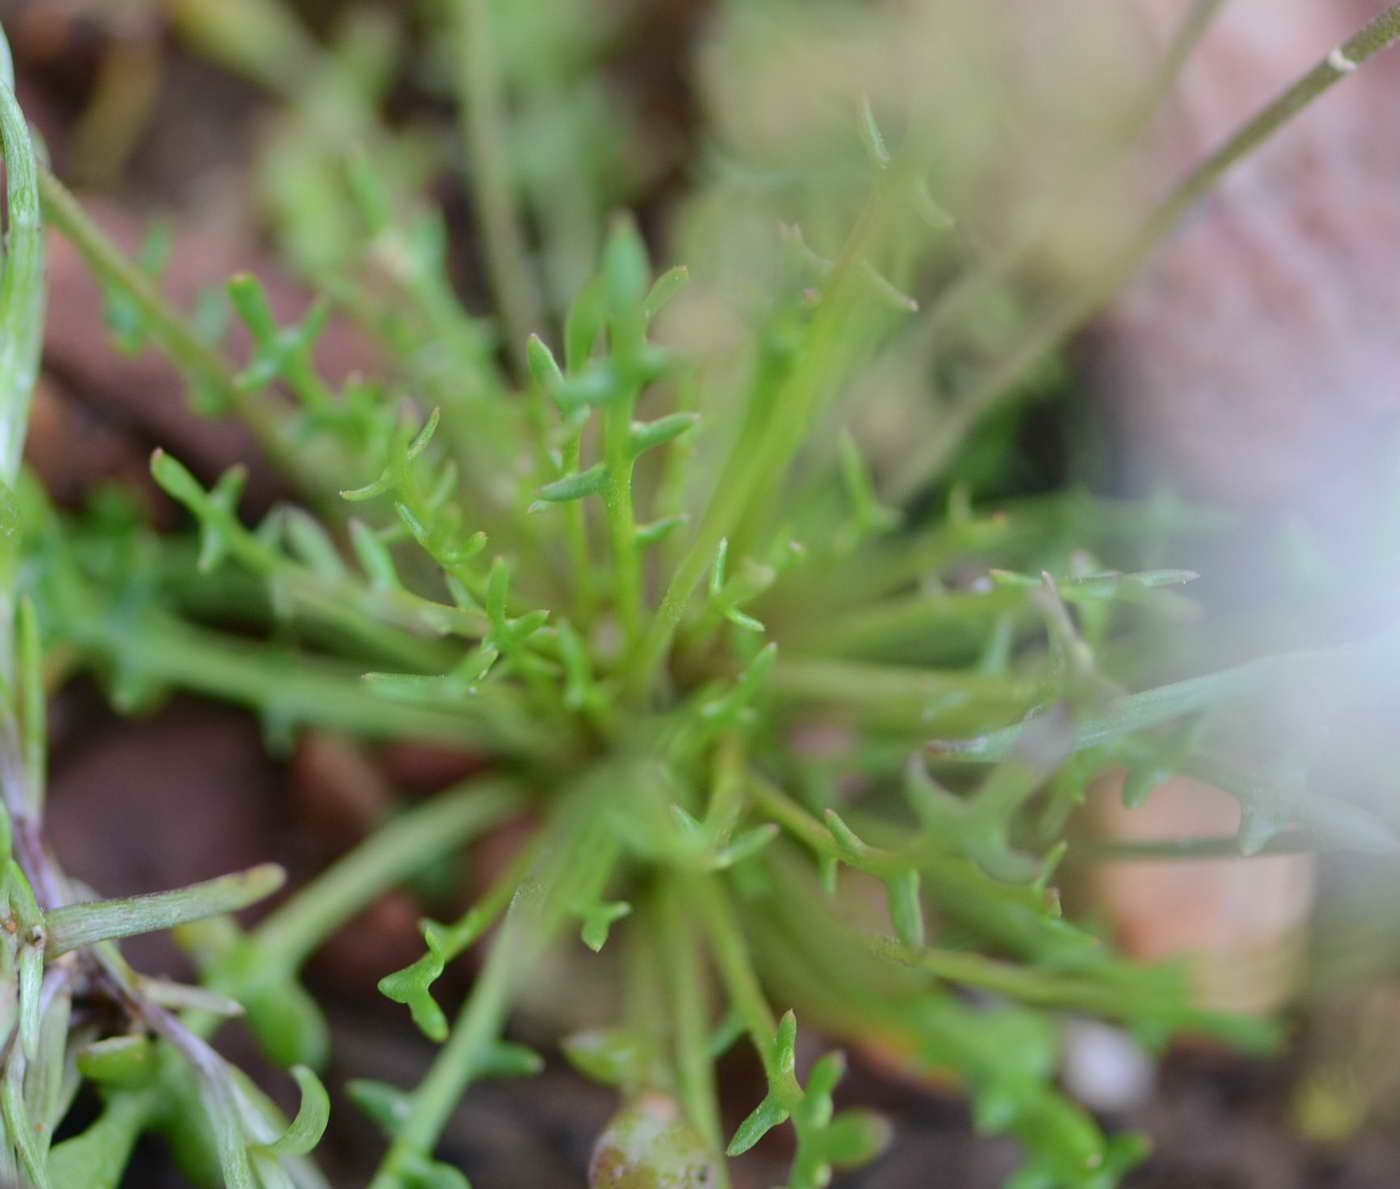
{"type": "Point", "coordinates": [1242, 922]}
{"type": "Point", "coordinates": [1255, 358]}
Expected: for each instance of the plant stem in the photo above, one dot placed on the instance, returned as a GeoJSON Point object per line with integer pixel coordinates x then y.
{"type": "Point", "coordinates": [476, 1028]}
{"type": "Point", "coordinates": [577, 527]}
{"type": "Point", "coordinates": [1318, 667]}
{"type": "Point", "coordinates": [388, 856]}
{"type": "Point", "coordinates": [852, 683]}
{"type": "Point", "coordinates": [765, 448]}
{"type": "Point", "coordinates": [902, 699]}
{"type": "Point", "coordinates": [21, 289]}
{"type": "Point", "coordinates": [1291, 842]}
{"type": "Point", "coordinates": [1104, 996]}
{"type": "Point", "coordinates": [686, 982]}
{"type": "Point", "coordinates": [1378, 35]}
{"type": "Point", "coordinates": [728, 786]}
{"type": "Point", "coordinates": [732, 956]}
{"type": "Point", "coordinates": [958, 298]}
{"type": "Point", "coordinates": [918, 616]}
{"type": "Point", "coordinates": [644, 1002]}
{"type": "Point", "coordinates": [575, 859]}
{"type": "Point", "coordinates": [173, 333]}
{"type": "Point", "coordinates": [301, 687]}
{"type": "Point", "coordinates": [622, 527]}
{"type": "Point", "coordinates": [503, 240]}
{"type": "Point", "coordinates": [1072, 312]}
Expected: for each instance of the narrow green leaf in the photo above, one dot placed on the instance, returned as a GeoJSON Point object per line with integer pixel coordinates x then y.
{"type": "Point", "coordinates": [647, 435]}
{"type": "Point", "coordinates": [856, 1137]}
{"type": "Point", "coordinates": [666, 286]}
{"type": "Point", "coordinates": [871, 136]}
{"type": "Point", "coordinates": [611, 1056]}
{"type": "Point", "coordinates": [596, 384]}
{"type": "Point", "coordinates": [887, 291]}
{"type": "Point", "coordinates": [744, 620]}
{"type": "Point", "coordinates": [906, 909]}
{"type": "Point", "coordinates": [21, 283]}
{"type": "Point", "coordinates": [767, 1115]}
{"type": "Point", "coordinates": [785, 1043]}
{"type": "Point", "coordinates": [304, 1132]}
{"type": "Point", "coordinates": [176, 480]}
{"type": "Point", "coordinates": [929, 209]}
{"type": "Point", "coordinates": [31, 982]}
{"type": "Point", "coordinates": [504, 1059]}
{"type": "Point", "coordinates": [412, 985]}
{"type": "Point", "coordinates": [544, 369]}
{"type": "Point", "coordinates": [625, 269]}
{"type": "Point", "coordinates": [584, 323]}
{"type": "Point", "coordinates": [127, 1061]}
{"type": "Point", "coordinates": [851, 845]}
{"type": "Point", "coordinates": [425, 1173]}
{"type": "Point", "coordinates": [375, 487]}
{"type": "Point", "coordinates": [389, 1107]}
{"type": "Point", "coordinates": [659, 530]}
{"type": "Point", "coordinates": [77, 925]}
{"type": "Point", "coordinates": [598, 922]}
{"type": "Point", "coordinates": [746, 845]}
{"type": "Point", "coordinates": [21, 1129]}
{"type": "Point", "coordinates": [425, 435]}
{"type": "Point", "coordinates": [374, 557]}
{"type": "Point", "coordinates": [576, 486]}
{"type": "Point", "coordinates": [33, 715]}
{"type": "Point", "coordinates": [313, 545]}
{"type": "Point", "coordinates": [717, 567]}
{"type": "Point", "coordinates": [249, 299]}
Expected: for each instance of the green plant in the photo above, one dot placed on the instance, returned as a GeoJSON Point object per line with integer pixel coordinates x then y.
{"type": "Point", "coordinates": [670, 599]}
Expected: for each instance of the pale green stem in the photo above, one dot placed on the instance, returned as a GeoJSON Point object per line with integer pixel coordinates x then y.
{"type": "Point", "coordinates": [686, 981]}
{"type": "Point", "coordinates": [173, 333]}
{"type": "Point", "coordinates": [644, 1002]}
{"type": "Point", "coordinates": [728, 786]}
{"type": "Point", "coordinates": [300, 687]}
{"type": "Point", "coordinates": [764, 450]}
{"type": "Point", "coordinates": [488, 163]}
{"type": "Point", "coordinates": [21, 291]}
{"type": "Point", "coordinates": [732, 956]}
{"type": "Point", "coordinates": [856, 683]}
{"type": "Point", "coordinates": [579, 863]}
{"type": "Point", "coordinates": [475, 1030]}
{"type": "Point", "coordinates": [1136, 850]}
{"type": "Point", "coordinates": [576, 514]}
{"type": "Point", "coordinates": [1319, 668]}
{"type": "Point", "coordinates": [1112, 997]}
{"type": "Point", "coordinates": [622, 526]}
{"type": "Point", "coordinates": [21, 339]}
{"type": "Point", "coordinates": [391, 854]}
{"type": "Point", "coordinates": [1079, 307]}
{"type": "Point", "coordinates": [1090, 174]}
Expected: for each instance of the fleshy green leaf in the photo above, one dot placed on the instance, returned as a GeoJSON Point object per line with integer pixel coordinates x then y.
{"type": "Point", "coordinates": [647, 435]}
{"type": "Point", "coordinates": [304, 1132]}
{"type": "Point", "coordinates": [575, 486]}
{"type": "Point", "coordinates": [389, 1107]}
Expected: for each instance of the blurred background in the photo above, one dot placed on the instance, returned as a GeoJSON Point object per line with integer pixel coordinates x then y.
{"type": "Point", "coordinates": [1251, 367]}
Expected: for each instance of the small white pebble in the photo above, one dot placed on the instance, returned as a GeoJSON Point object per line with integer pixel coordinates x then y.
{"type": "Point", "coordinates": [1104, 1068]}
{"type": "Point", "coordinates": [1339, 61]}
